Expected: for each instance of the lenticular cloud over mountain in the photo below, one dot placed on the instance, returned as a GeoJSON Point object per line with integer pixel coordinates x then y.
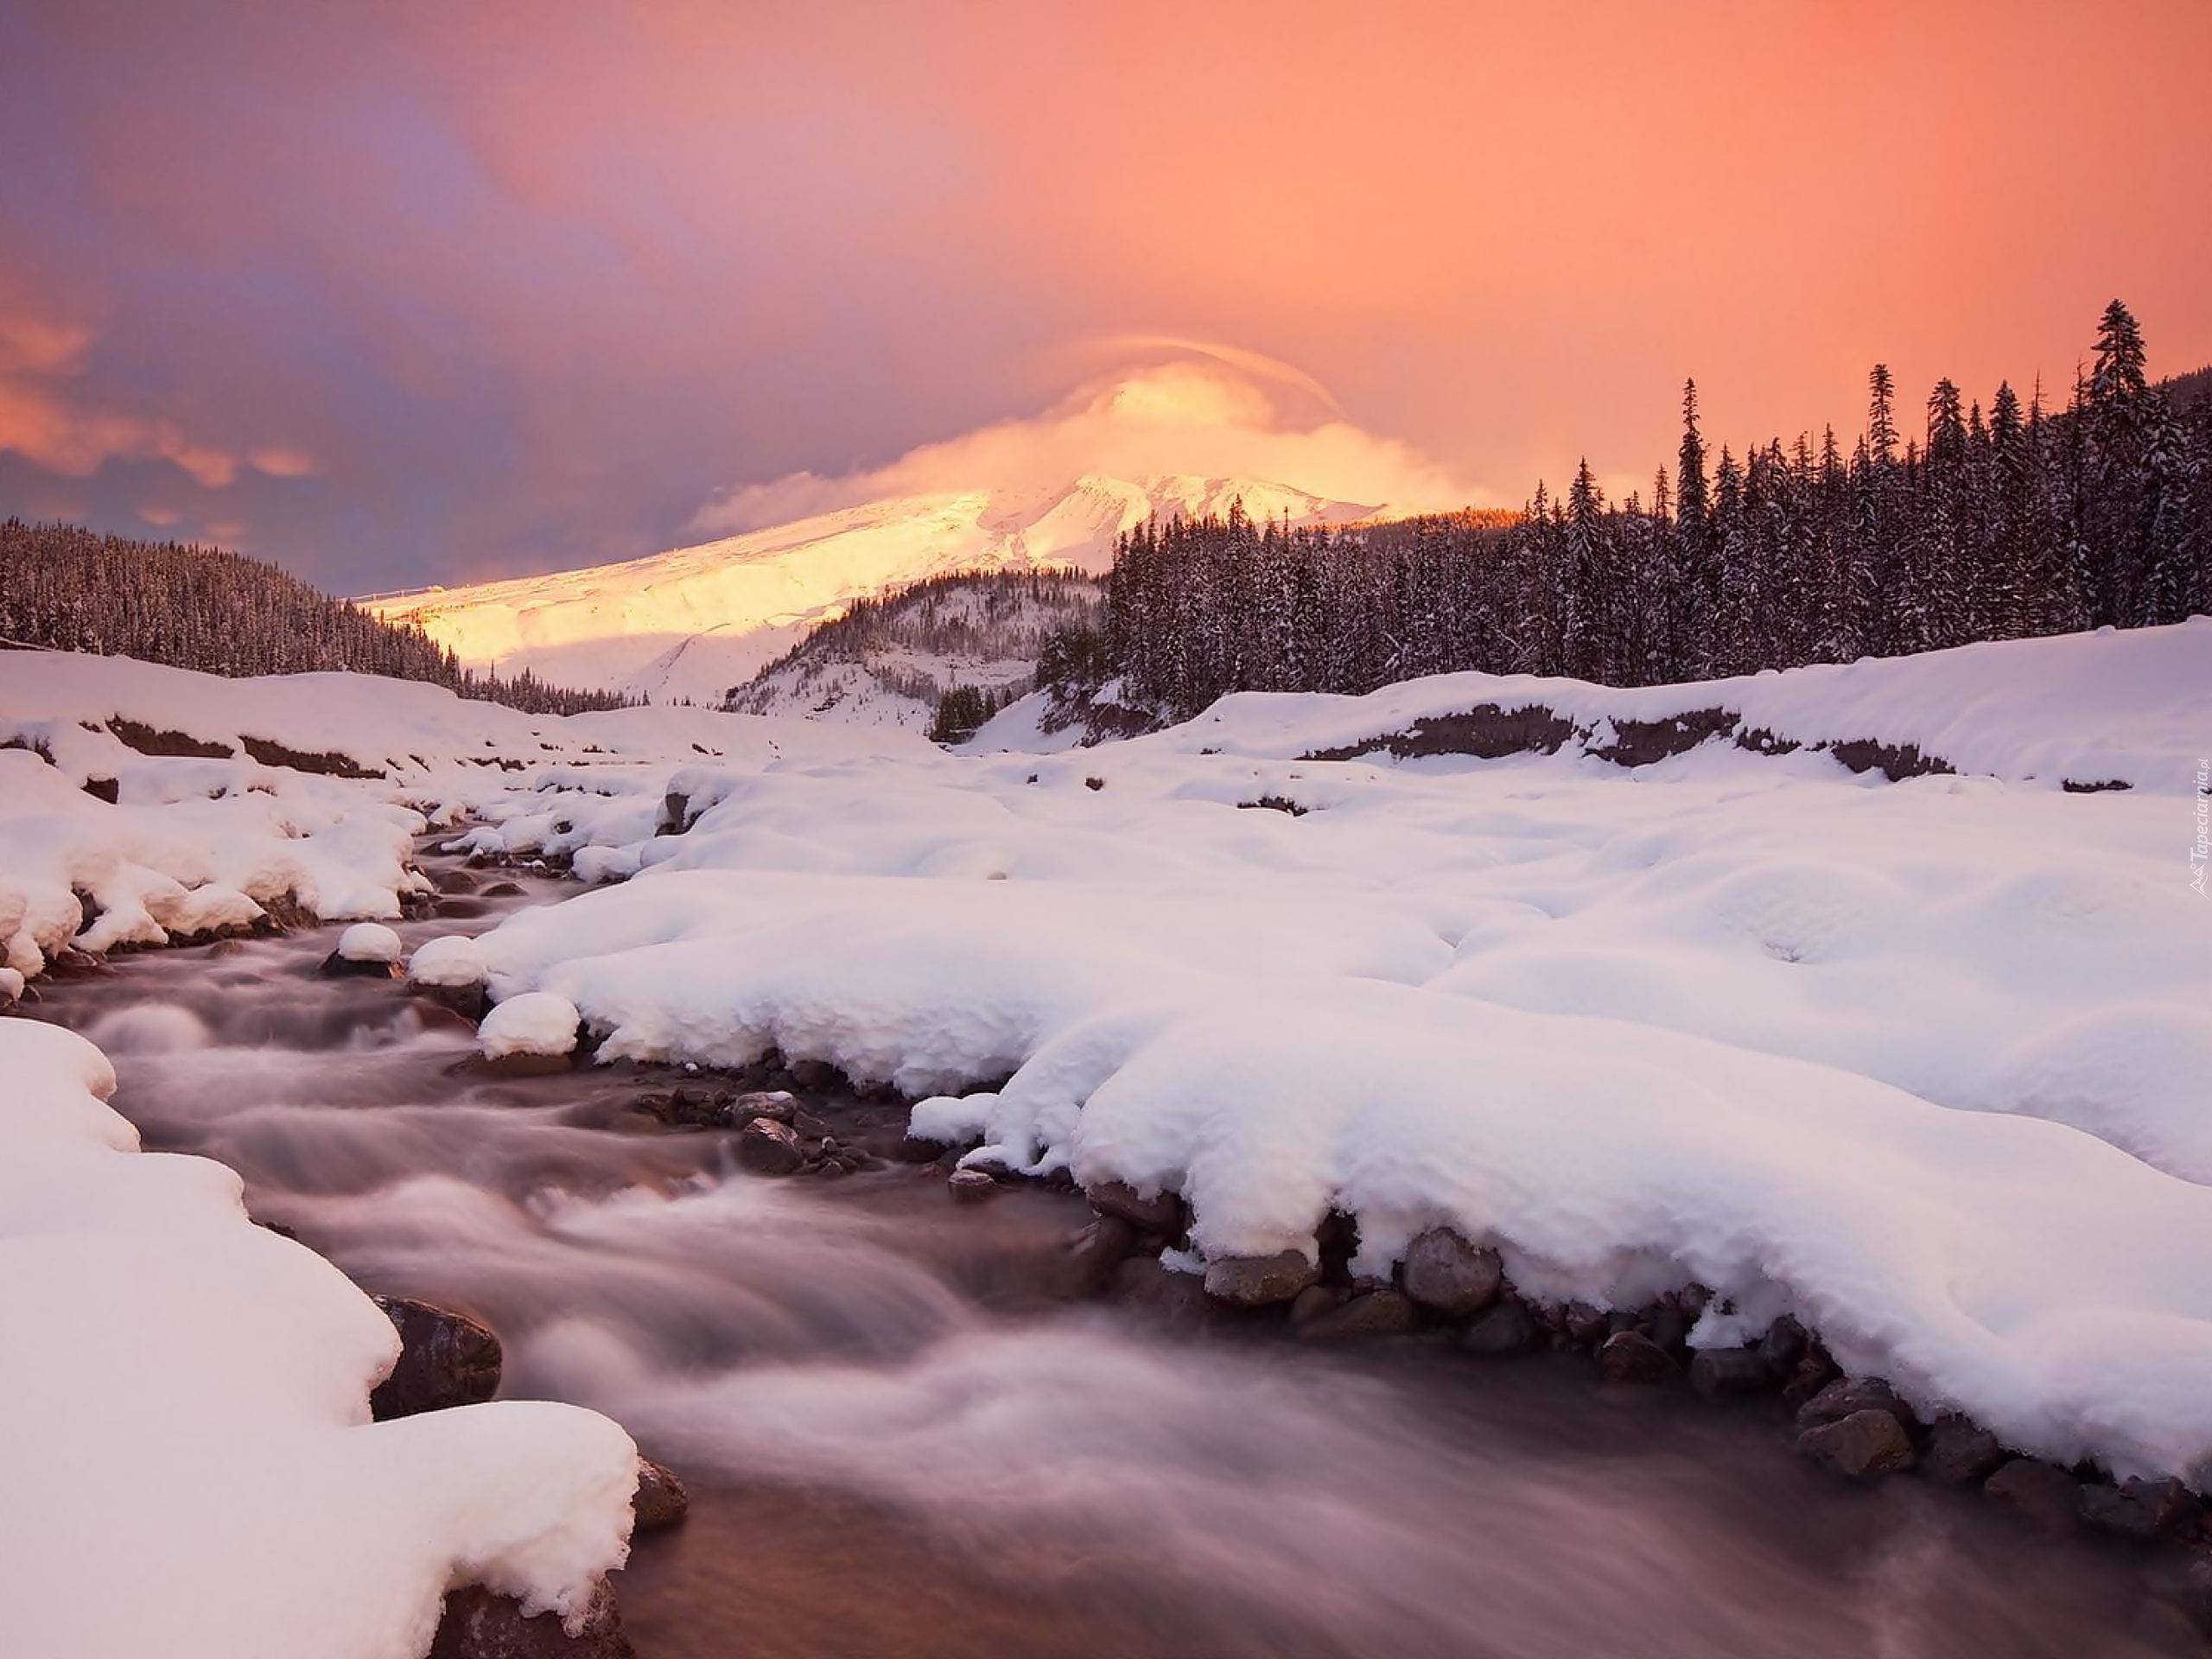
{"type": "Point", "coordinates": [1205, 411]}
{"type": "Point", "coordinates": [1192, 430]}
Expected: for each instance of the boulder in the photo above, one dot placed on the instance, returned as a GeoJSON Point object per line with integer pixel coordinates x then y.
{"type": "Point", "coordinates": [502, 890]}
{"type": "Point", "coordinates": [1846, 1396]}
{"type": "Point", "coordinates": [1631, 1357]}
{"type": "Point", "coordinates": [1447, 1273]}
{"type": "Point", "coordinates": [445, 1359]}
{"type": "Point", "coordinates": [1159, 1212]}
{"type": "Point", "coordinates": [971, 1185]}
{"type": "Point", "coordinates": [1504, 1328]}
{"type": "Point", "coordinates": [2038, 1492]}
{"type": "Point", "coordinates": [1314, 1300]}
{"type": "Point", "coordinates": [1960, 1452]}
{"type": "Point", "coordinates": [1784, 1346]}
{"type": "Point", "coordinates": [478, 1624]}
{"type": "Point", "coordinates": [1864, 1443]}
{"type": "Point", "coordinates": [1093, 1254]}
{"type": "Point", "coordinates": [660, 1501]}
{"type": "Point", "coordinates": [1718, 1372]}
{"type": "Point", "coordinates": [2139, 1509]}
{"type": "Point", "coordinates": [1145, 1283]}
{"type": "Point", "coordinates": [777, 1105]}
{"type": "Point", "coordinates": [1372, 1314]}
{"type": "Point", "coordinates": [1260, 1280]}
{"type": "Point", "coordinates": [767, 1148]}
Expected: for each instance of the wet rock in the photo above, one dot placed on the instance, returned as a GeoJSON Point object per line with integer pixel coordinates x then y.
{"type": "Point", "coordinates": [1718, 1372]}
{"type": "Point", "coordinates": [1447, 1273]}
{"type": "Point", "coordinates": [1669, 1327]}
{"type": "Point", "coordinates": [1260, 1280]}
{"type": "Point", "coordinates": [767, 1148]}
{"type": "Point", "coordinates": [817, 1074]}
{"type": "Point", "coordinates": [1784, 1346]}
{"type": "Point", "coordinates": [1370, 1313]}
{"type": "Point", "coordinates": [1586, 1326]}
{"type": "Point", "coordinates": [478, 1624]}
{"type": "Point", "coordinates": [335, 966]}
{"type": "Point", "coordinates": [454, 881]}
{"type": "Point", "coordinates": [777, 1105]}
{"type": "Point", "coordinates": [1846, 1396]}
{"type": "Point", "coordinates": [227, 948]}
{"type": "Point", "coordinates": [1631, 1357]}
{"type": "Point", "coordinates": [971, 1185]}
{"type": "Point", "coordinates": [1814, 1372]}
{"type": "Point", "coordinates": [502, 890]}
{"type": "Point", "coordinates": [2039, 1492]}
{"type": "Point", "coordinates": [2140, 1509]}
{"type": "Point", "coordinates": [470, 1002]}
{"type": "Point", "coordinates": [446, 1359]}
{"type": "Point", "coordinates": [1864, 1443]}
{"type": "Point", "coordinates": [1503, 1329]}
{"type": "Point", "coordinates": [660, 1501]}
{"type": "Point", "coordinates": [523, 1065]}
{"type": "Point", "coordinates": [1093, 1254]}
{"type": "Point", "coordinates": [918, 1149]}
{"type": "Point", "coordinates": [1158, 1212]}
{"type": "Point", "coordinates": [1142, 1283]}
{"type": "Point", "coordinates": [1314, 1300]}
{"type": "Point", "coordinates": [1960, 1452]}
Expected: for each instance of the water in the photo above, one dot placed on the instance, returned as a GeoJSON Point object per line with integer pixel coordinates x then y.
{"type": "Point", "coordinates": [900, 1443]}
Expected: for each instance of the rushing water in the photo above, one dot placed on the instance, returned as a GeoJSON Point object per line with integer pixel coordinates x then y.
{"type": "Point", "coordinates": [898, 1443]}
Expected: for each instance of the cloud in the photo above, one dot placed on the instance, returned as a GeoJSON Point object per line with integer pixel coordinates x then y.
{"type": "Point", "coordinates": [1211, 411]}
{"type": "Point", "coordinates": [41, 363]}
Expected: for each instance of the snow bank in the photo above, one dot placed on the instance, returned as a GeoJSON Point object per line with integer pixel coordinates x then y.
{"type": "Point", "coordinates": [185, 805]}
{"type": "Point", "coordinates": [191, 1470]}
{"type": "Point", "coordinates": [2083, 708]}
{"type": "Point", "coordinates": [1923, 1062]}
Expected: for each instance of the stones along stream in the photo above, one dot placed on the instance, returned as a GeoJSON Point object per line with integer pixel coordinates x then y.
{"type": "Point", "coordinates": [904, 1436]}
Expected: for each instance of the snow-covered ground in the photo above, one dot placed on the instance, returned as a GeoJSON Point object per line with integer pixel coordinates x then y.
{"type": "Point", "coordinates": [351, 767]}
{"type": "Point", "coordinates": [1923, 1062]}
{"type": "Point", "coordinates": [191, 1469]}
{"type": "Point", "coordinates": [696, 621]}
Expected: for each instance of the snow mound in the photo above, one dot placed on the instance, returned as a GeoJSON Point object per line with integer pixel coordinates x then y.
{"type": "Point", "coordinates": [536, 1022]}
{"type": "Point", "coordinates": [203, 1479]}
{"type": "Point", "coordinates": [369, 942]}
{"type": "Point", "coordinates": [452, 962]}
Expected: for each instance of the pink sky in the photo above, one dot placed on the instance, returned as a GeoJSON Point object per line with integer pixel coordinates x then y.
{"type": "Point", "coordinates": [437, 290]}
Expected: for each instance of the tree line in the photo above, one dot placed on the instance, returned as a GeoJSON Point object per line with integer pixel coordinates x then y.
{"type": "Point", "coordinates": [1997, 525]}
{"type": "Point", "coordinates": [64, 589]}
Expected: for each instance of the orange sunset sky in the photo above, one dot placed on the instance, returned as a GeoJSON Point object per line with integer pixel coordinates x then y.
{"type": "Point", "coordinates": [412, 292]}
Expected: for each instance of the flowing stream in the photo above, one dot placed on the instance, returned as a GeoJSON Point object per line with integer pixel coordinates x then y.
{"type": "Point", "coordinates": [900, 1443]}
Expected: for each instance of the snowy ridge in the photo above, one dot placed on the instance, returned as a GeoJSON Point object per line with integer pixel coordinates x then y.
{"type": "Point", "coordinates": [1920, 1063]}
{"type": "Point", "coordinates": [698, 621]}
{"type": "Point", "coordinates": [2085, 709]}
{"type": "Point", "coordinates": [199, 1477]}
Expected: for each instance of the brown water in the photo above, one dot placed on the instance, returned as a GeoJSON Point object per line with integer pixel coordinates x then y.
{"type": "Point", "coordinates": [898, 1443]}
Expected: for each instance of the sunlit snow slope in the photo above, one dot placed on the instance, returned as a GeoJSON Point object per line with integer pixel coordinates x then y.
{"type": "Point", "coordinates": [698, 620]}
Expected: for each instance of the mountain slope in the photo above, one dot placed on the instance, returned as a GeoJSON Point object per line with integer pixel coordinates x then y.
{"type": "Point", "coordinates": [890, 659]}
{"type": "Point", "coordinates": [698, 621]}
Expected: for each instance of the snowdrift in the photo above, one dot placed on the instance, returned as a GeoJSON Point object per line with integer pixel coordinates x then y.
{"type": "Point", "coordinates": [191, 1466]}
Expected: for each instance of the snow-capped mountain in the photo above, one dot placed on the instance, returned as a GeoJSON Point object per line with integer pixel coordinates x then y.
{"type": "Point", "coordinates": [696, 621]}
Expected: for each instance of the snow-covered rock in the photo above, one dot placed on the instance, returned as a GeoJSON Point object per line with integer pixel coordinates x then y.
{"type": "Point", "coordinates": [369, 942]}
{"type": "Point", "coordinates": [534, 1022]}
{"type": "Point", "coordinates": [201, 1478]}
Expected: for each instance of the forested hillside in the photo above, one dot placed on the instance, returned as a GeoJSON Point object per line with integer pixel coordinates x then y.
{"type": "Point", "coordinates": [64, 588]}
{"type": "Point", "coordinates": [1994, 525]}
